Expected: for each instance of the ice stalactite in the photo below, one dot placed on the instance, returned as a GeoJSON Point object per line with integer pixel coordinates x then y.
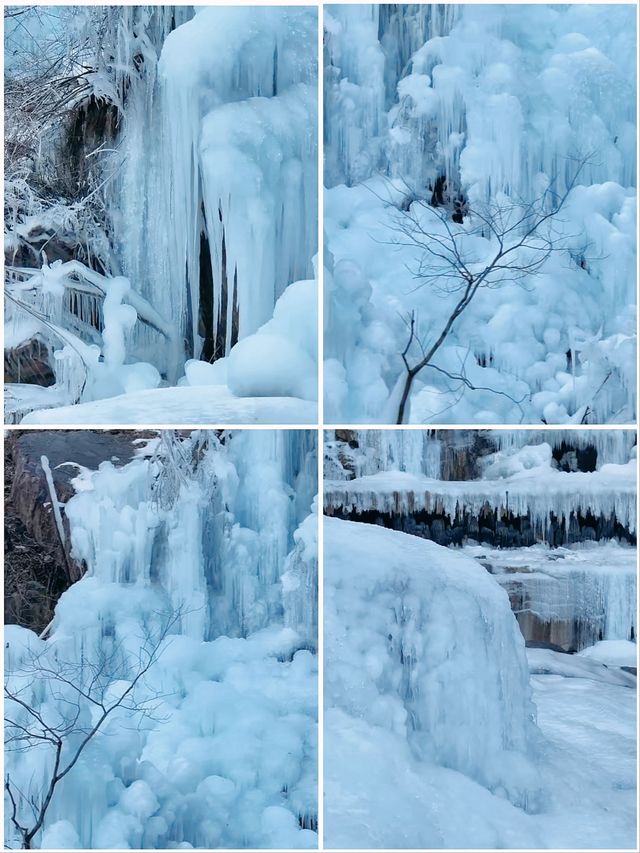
{"type": "Point", "coordinates": [367, 53]}
{"type": "Point", "coordinates": [414, 451]}
{"type": "Point", "coordinates": [495, 123]}
{"type": "Point", "coordinates": [563, 495]}
{"type": "Point", "coordinates": [402, 473]}
{"type": "Point", "coordinates": [138, 224]}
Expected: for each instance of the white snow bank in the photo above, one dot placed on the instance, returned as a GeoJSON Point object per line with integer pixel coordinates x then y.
{"type": "Point", "coordinates": [613, 653]}
{"type": "Point", "coordinates": [279, 360]}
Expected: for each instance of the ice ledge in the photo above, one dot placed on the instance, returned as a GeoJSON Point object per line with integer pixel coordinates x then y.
{"type": "Point", "coordinates": [536, 493]}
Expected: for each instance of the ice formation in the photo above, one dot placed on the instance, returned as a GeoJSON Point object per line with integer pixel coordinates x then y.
{"type": "Point", "coordinates": [205, 546]}
{"type": "Point", "coordinates": [211, 198]}
{"type": "Point", "coordinates": [481, 107]}
{"type": "Point", "coordinates": [240, 157]}
{"type": "Point", "coordinates": [571, 597]}
{"type": "Point", "coordinates": [519, 481]}
{"type": "Point", "coordinates": [425, 668]}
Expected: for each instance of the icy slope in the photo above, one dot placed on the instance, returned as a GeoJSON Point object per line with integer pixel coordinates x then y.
{"type": "Point", "coordinates": [499, 103]}
{"type": "Point", "coordinates": [217, 745]}
{"type": "Point", "coordinates": [424, 667]}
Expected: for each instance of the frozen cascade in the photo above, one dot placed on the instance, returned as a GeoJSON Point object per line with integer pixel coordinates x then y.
{"type": "Point", "coordinates": [137, 221]}
{"type": "Point", "coordinates": [173, 542]}
{"type": "Point", "coordinates": [434, 662]}
{"type": "Point", "coordinates": [367, 48]}
{"type": "Point", "coordinates": [571, 597]}
{"type": "Point", "coordinates": [492, 105]}
{"type": "Point", "coordinates": [414, 451]}
{"type": "Point", "coordinates": [249, 191]}
{"type": "Point", "coordinates": [468, 96]}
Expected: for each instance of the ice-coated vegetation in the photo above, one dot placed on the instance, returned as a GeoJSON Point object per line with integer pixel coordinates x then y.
{"type": "Point", "coordinates": [161, 222]}
{"type": "Point", "coordinates": [195, 627]}
{"type": "Point", "coordinates": [481, 157]}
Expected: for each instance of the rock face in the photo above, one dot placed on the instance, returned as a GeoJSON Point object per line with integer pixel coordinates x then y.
{"type": "Point", "coordinates": [29, 363]}
{"type": "Point", "coordinates": [498, 528]}
{"type": "Point", "coordinates": [37, 567]}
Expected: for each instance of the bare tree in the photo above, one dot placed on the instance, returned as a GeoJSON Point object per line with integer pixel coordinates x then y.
{"type": "Point", "coordinates": [84, 701]}
{"type": "Point", "coordinates": [522, 235]}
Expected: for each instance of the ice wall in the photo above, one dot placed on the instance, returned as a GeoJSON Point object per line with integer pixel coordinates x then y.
{"type": "Point", "coordinates": [414, 451]}
{"type": "Point", "coordinates": [570, 597]}
{"type": "Point", "coordinates": [219, 139]}
{"type": "Point", "coordinates": [135, 175]}
{"type": "Point", "coordinates": [367, 51]}
{"type": "Point", "coordinates": [465, 454]}
{"type": "Point", "coordinates": [193, 549]}
{"type": "Point", "coordinates": [436, 109]}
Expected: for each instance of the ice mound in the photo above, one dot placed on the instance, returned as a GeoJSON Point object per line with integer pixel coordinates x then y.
{"type": "Point", "coordinates": [424, 664]}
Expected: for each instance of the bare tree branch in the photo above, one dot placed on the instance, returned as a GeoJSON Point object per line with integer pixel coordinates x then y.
{"type": "Point", "coordinates": [524, 237]}
{"type": "Point", "coordinates": [76, 687]}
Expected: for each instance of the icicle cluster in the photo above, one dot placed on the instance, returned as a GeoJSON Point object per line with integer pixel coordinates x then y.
{"type": "Point", "coordinates": [238, 164]}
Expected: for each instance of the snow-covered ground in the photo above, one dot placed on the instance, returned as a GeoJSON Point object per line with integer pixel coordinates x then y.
{"type": "Point", "coordinates": [436, 734]}
{"type": "Point", "coordinates": [501, 102]}
{"type": "Point", "coordinates": [201, 560]}
{"type": "Point", "coordinates": [213, 404]}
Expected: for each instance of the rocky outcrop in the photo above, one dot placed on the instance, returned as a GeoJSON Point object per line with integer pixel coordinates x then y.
{"type": "Point", "coordinates": [498, 528]}
{"type": "Point", "coordinates": [38, 568]}
{"type": "Point", "coordinates": [30, 363]}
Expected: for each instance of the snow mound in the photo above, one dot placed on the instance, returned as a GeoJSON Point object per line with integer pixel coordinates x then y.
{"type": "Point", "coordinates": [613, 653]}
